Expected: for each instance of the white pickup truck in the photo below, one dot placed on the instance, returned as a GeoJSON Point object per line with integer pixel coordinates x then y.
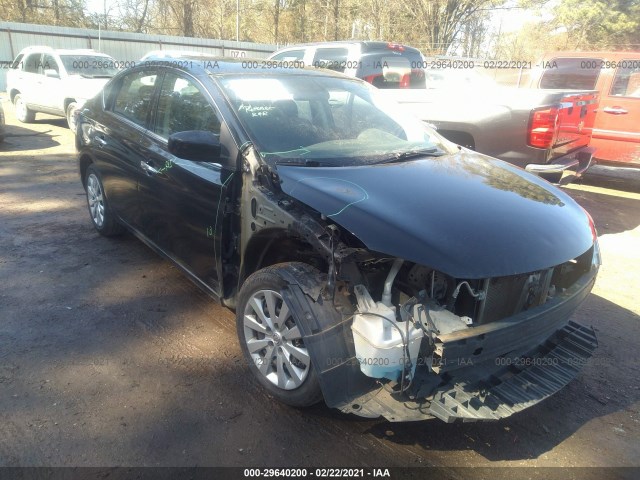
{"type": "Point", "coordinates": [43, 79]}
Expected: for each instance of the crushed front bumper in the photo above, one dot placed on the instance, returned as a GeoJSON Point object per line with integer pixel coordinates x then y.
{"type": "Point", "coordinates": [524, 382]}
{"type": "Point", "coordinates": [494, 370]}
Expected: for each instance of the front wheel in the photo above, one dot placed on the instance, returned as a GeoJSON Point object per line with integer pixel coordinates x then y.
{"type": "Point", "coordinates": [23, 113]}
{"type": "Point", "coordinates": [271, 340]}
{"type": "Point", "coordinates": [71, 117]}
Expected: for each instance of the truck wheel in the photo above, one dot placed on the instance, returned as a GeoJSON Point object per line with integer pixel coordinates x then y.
{"type": "Point", "coordinates": [23, 113]}
{"type": "Point", "coordinates": [271, 340]}
{"type": "Point", "coordinates": [101, 215]}
{"type": "Point", "coordinates": [71, 121]}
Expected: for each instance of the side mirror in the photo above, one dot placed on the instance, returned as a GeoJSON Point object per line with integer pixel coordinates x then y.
{"type": "Point", "coordinates": [50, 72]}
{"type": "Point", "coordinates": [197, 145]}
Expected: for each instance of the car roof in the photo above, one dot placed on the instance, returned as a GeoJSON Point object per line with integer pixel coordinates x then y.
{"type": "Point", "coordinates": [172, 54]}
{"type": "Point", "coordinates": [367, 46]}
{"type": "Point", "coordinates": [221, 66]}
{"type": "Point", "coordinates": [62, 51]}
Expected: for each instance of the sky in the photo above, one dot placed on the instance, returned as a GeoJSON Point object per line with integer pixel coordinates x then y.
{"type": "Point", "coordinates": [97, 6]}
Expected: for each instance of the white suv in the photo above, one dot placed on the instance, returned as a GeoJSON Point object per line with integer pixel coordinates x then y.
{"type": "Point", "coordinates": [43, 79]}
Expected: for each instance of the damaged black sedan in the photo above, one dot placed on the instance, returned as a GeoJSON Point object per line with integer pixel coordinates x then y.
{"type": "Point", "coordinates": [371, 263]}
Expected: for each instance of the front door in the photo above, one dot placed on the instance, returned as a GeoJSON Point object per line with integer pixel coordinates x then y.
{"type": "Point", "coordinates": [183, 200]}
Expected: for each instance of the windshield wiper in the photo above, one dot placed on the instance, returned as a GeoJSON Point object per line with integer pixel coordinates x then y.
{"type": "Point", "coordinates": [298, 162]}
{"type": "Point", "coordinates": [420, 152]}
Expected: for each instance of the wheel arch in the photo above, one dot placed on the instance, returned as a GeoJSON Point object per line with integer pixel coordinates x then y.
{"type": "Point", "coordinates": [275, 245]}
{"type": "Point", "coordinates": [459, 137]}
{"type": "Point", "coordinates": [83, 163]}
{"type": "Point", "coordinates": [67, 102]}
{"type": "Point", "coordinates": [13, 93]}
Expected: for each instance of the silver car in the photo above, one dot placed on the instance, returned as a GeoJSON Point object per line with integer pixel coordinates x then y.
{"type": "Point", "coordinates": [2, 131]}
{"type": "Point", "coordinates": [58, 82]}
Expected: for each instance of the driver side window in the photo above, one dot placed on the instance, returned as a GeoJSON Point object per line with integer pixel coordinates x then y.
{"type": "Point", "coordinates": [133, 100]}
{"type": "Point", "coordinates": [182, 107]}
{"type": "Point", "coordinates": [48, 63]}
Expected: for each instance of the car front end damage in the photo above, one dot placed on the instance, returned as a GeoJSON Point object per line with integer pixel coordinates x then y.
{"type": "Point", "coordinates": [421, 279]}
{"type": "Point", "coordinates": [445, 342]}
{"type": "Point", "coordinates": [507, 356]}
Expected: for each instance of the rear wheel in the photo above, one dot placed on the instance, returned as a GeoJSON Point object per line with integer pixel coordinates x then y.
{"type": "Point", "coordinates": [271, 340]}
{"type": "Point", "coordinates": [23, 113]}
{"type": "Point", "coordinates": [101, 215]}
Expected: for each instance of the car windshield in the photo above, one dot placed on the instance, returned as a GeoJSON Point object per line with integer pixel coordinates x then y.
{"type": "Point", "coordinates": [317, 120]}
{"type": "Point", "coordinates": [91, 66]}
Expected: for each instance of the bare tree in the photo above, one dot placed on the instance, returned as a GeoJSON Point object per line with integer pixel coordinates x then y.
{"type": "Point", "coordinates": [439, 21]}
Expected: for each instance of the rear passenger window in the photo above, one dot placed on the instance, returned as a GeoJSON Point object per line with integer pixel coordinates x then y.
{"type": "Point", "coordinates": [182, 107]}
{"type": "Point", "coordinates": [32, 63]}
{"type": "Point", "coordinates": [571, 74]}
{"type": "Point", "coordinates": [133, 100]}
{"type": "Point", "coordinates": [626, 83]}
{"type": "Point", "coordinates": [331, 58]}
{"type": "Point", "coordinates": [291, 55]}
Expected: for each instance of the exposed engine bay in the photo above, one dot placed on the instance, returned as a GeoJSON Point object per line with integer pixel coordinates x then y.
{"type": "Point", "coordinates": [437, 304]}
{"type": "Point", "coordinates": [429, 334]}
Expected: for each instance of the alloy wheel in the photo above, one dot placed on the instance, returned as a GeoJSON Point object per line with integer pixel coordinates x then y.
{"type": "Point", "coordinates": [274, 340]}
{"type": "Point", "coordinates": [96, 200]}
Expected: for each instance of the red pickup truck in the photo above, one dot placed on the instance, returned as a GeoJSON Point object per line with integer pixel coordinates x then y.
{"type": "Point", "coordinates": [616, 75]}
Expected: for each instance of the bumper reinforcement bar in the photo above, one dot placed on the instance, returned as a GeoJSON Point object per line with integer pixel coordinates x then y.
{"type": "Point", "coordinates": [516, 388]}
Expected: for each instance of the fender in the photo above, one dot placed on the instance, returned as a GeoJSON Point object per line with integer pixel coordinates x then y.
{"type": "Point", "coordinates": [327, 335]}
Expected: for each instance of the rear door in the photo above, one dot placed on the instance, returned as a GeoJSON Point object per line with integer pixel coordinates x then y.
{"type": "Point", "coordinates": [617, 132]}
{"type": "Point", "coordinates": [116, 139]}
{"type": "Point", "coordinates": [50, 87]}
{"type": "Point", "coordinates": [29, 79]}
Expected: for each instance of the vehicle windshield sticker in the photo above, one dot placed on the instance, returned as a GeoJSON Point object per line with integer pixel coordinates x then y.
{"type": "Point", "coordinates": [256, 110]}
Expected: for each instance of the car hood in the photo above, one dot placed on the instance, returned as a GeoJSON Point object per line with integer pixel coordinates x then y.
{"type": "Point", "coordinates": [466, 214]}
{"type": "Point", "coordinates": [84, 88]}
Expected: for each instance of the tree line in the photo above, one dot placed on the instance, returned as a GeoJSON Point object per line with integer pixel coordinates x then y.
{"type": "Point", "coordinates": [436, 27]}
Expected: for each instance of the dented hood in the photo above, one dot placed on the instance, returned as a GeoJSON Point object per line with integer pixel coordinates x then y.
{"type": "Point", "coordinates": [467, 215]}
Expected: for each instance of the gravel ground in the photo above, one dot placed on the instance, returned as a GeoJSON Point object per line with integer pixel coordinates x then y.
{"type": "Point", "coordinates": [110, 357]}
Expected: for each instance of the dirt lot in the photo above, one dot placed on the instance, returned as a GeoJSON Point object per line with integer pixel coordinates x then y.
{"type": "Point", "coordinates": [109, 356]}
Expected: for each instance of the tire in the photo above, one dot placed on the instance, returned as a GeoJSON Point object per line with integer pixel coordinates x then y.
{"type": "Point", "coordinates": [101, 215]}
{"type": "Point", "coordinates": [71, 108]}
{"type": "Point", "coordinates": [282, 366]}
{"type": "Point", "coordinates": [23, 113]}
